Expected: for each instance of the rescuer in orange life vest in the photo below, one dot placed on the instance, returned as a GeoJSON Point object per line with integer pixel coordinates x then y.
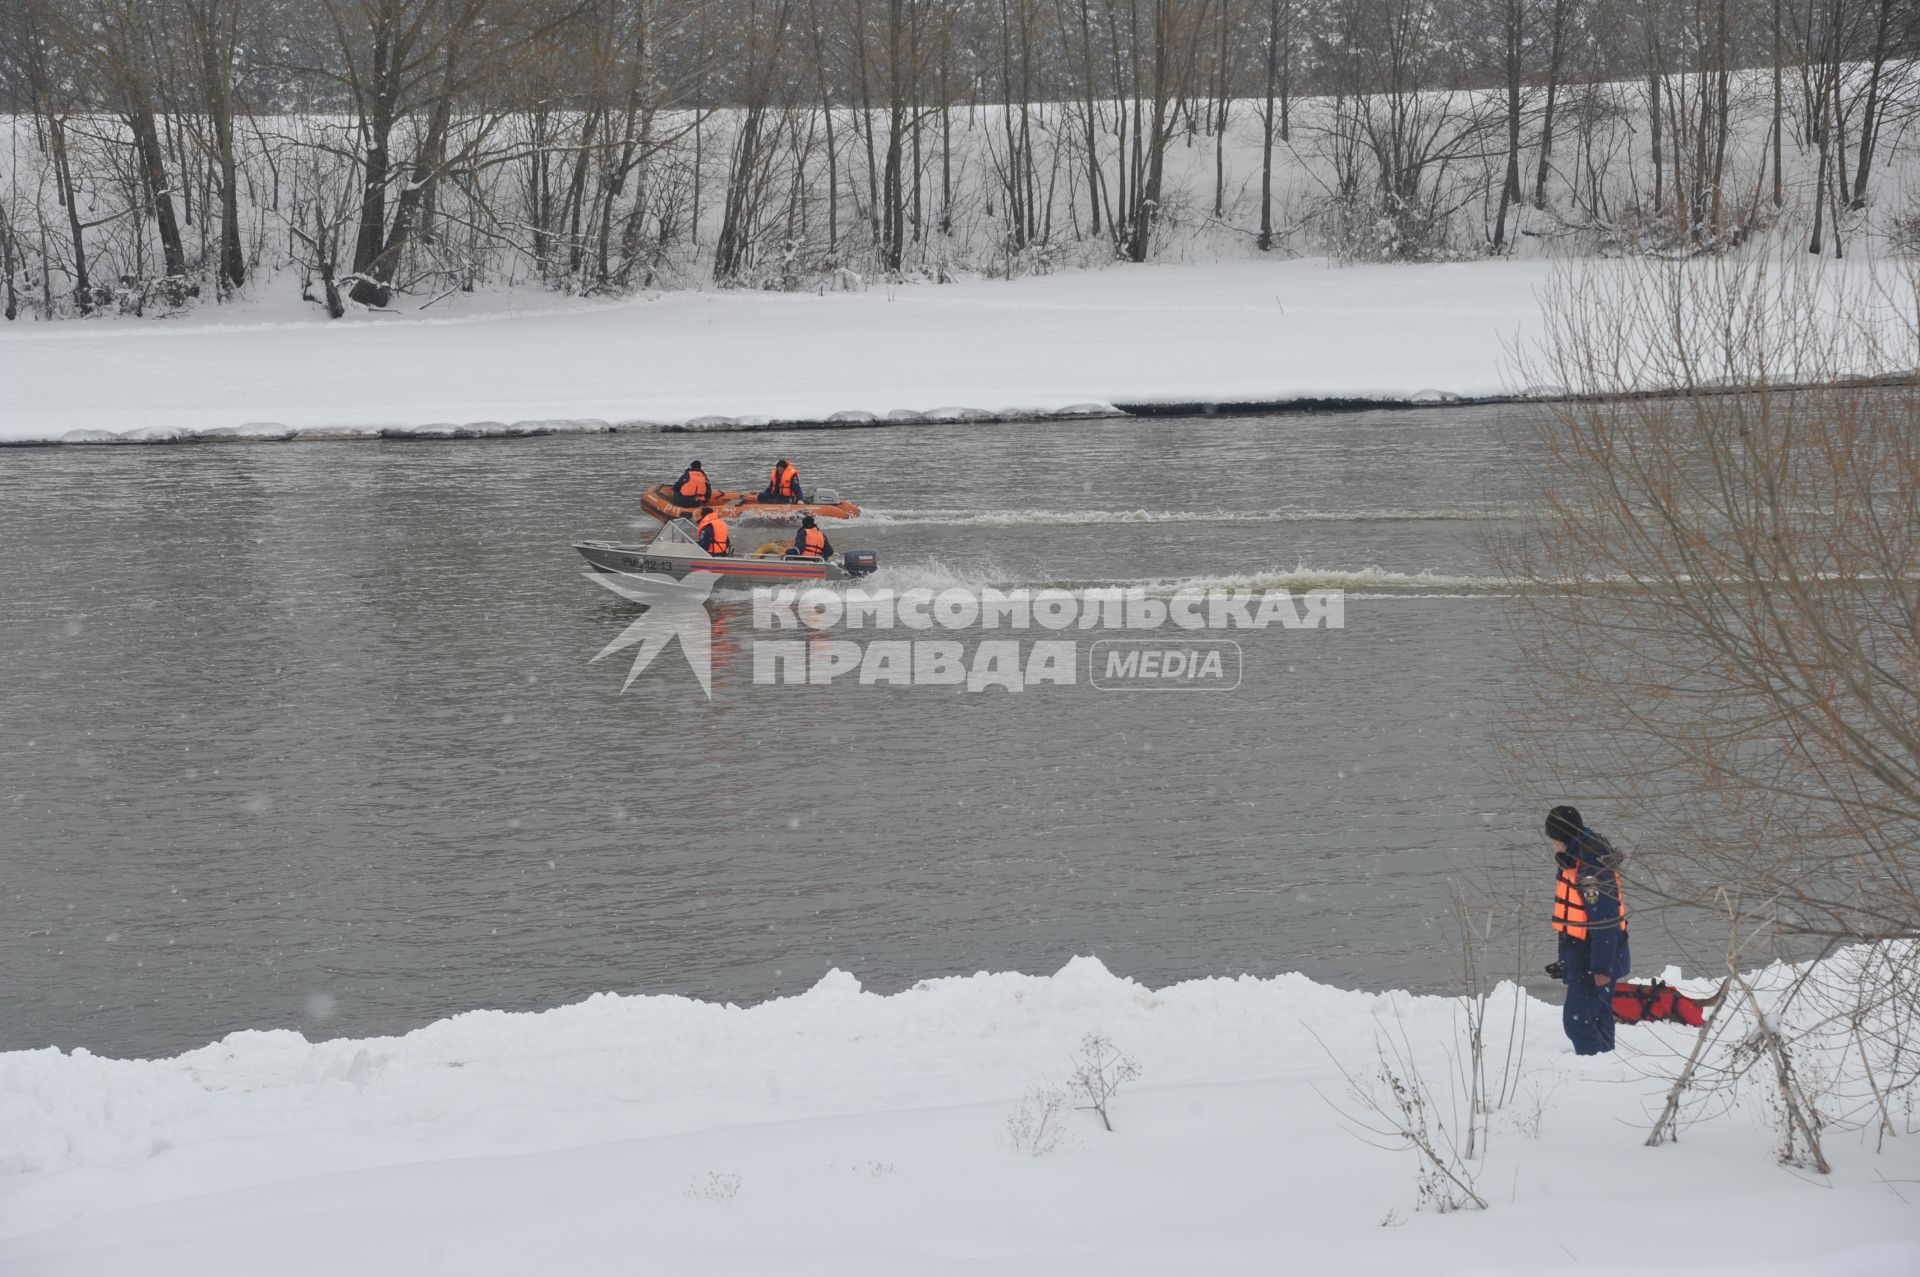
{"type": "Point", "coordinates": [713, 534]}
{"type": "Point", "coordinates": [1591, 923]}
{"type": "Point", "coordinates": [783, 484]}
{"type": "Point", "coordinates": [810, 542]}
{"type": "Point", "coordinates": [692, 488]}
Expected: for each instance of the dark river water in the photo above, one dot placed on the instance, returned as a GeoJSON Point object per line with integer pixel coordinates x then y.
{"type": "Point", "coordinates": [307, 735]}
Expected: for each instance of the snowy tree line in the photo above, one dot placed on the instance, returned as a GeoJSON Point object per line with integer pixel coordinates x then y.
{"type": "Point", "coordinates": [166, 149]}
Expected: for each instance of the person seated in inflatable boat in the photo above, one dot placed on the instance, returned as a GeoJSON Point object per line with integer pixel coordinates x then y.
{"type": "Point", "coordinates": [783, 485]}
{"type": "Point", "coordinates": [810, 542]}
{"type": "Point", "coordinates": [714, 535]}
{"type": "Point", "coordinates": [692, 488]}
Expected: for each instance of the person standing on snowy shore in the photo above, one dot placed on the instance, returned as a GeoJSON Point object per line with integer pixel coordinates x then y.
{"type": "Point", "coordinates": [1591, 924]}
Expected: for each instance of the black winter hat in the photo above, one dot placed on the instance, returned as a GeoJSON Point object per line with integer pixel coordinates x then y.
{"type": "Point", "coordinates": [1564, 823]}
{"type": "Point", "coordinates": [695, 465]}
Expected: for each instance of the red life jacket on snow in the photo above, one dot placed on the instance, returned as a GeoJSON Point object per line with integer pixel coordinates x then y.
{"type": "Point", "coordinates": [1646, 1003]}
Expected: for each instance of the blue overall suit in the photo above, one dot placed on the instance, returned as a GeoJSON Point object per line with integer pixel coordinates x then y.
{"type": "Point", "coordinates": [1588, 1013]}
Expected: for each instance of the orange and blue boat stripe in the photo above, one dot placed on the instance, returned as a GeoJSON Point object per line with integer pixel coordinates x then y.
{"type": "Point", "coordinates": [762, 569]}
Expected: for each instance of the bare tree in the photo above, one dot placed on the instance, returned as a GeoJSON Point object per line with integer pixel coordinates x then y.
{"type": "Point", "coordinates": [1556, 62]}
{"type": "Point", "coordinates": [1879, 51]}
{"type": "Point", "coordinates": [1225, 19]}
{"type": "Point", "coordinates": [212, 30]}
{"type": "Point", "coordinates": [1512, 22]}
{"type": "Point", "coordinates": [1279, 60]}
{"type": "Point", "coordinates": [1171, 47]}
{"type": "Point", "coordinates": [121, 42]}
{"type": "Point", "coordinates": [7, 267]}
{"type": "Point", "coordinates": [1722, 602]}
{"type": "Point", "coordinates": [399, 60]}
{"type": "Point", "coordinates": [1656, 73]}
{"type": "Point", "coordinates": [34, 55]}
{"type": "Point", "coordinates": [817, 34]}
{"type": "Point", "coordinates": [1077, 38]}
{"type": "Point", "coordinates": [749, 171]}
{"type": "Point", "coordinates": [1390, 107]}
{"type": "Point", "coordinates": [1819, 32]}
{"type": "Point", "coordinates": [578, 143]}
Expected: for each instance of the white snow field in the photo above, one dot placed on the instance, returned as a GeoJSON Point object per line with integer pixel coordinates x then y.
{"type": "Point", "coordinates": [843, 1133]}
{"type": "Point", "coordinates": [1230, 331]}
{"type": "Point", "coordinates": [1241, 331]}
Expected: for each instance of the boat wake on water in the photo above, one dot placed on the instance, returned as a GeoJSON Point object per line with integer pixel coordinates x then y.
{"type": "Point", "coordinates": [1372, 581]}
{"type": "Point", "coordinates": [1356, 582]}
{"type": "Point", "coordinates": [955, 518]}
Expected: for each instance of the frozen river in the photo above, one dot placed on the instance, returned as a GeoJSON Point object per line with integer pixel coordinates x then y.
{"type": "Point", "coordinates": [306, 735]}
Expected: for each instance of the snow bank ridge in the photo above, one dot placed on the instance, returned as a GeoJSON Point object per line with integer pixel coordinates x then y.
{"type": "Point", "coordinates": [834, 1048]}
{"type": "Point", "coordinates": [850, 419]}
{"type": "Point", "coordinates": [847, 1132]}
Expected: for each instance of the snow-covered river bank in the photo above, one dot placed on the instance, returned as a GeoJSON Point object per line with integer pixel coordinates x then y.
{"type": "Point", "coordinates": [1241, 331]}
{"type": "Point", "coordinates": [840, 1132]}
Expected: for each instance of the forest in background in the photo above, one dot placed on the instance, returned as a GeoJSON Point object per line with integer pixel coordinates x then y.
{"type": "Point", "coordinates": [168, 153]}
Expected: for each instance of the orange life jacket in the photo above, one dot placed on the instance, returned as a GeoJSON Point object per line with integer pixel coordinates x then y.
{"type": "Point", "coordinates": [1570, 906]}
{"type": "Point", "coordinates": [718, 527]}
{"type": "Point", "coordinates": [811, 541]}
{"type": "Point", "coordinates": [785, 481]}
{"type": "Point", "coordinates": [695, 489]}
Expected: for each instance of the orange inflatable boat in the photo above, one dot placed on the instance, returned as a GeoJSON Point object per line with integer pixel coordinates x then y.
{"type": "Point", "coordinates": [747, 507]}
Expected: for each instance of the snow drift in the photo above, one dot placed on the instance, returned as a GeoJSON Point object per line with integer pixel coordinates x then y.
{"type": "Point", "coordinates": [843, 1132]}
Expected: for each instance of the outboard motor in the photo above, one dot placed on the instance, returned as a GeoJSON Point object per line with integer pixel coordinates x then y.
{"type": "Point", "coordinates": [860, 562]}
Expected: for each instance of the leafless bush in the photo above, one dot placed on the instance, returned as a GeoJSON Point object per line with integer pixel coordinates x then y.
{"type": "Point", "coordinates": [1902, 229]}
{"type": "Point", "coordinates": [1396, 1110]}
{"type": "Point", "coordinates": [1820, 1047]}
{"type": "Point", "coordinates": [1497, 922]}
{"type": "Point", "coordinates": [1797, 1116]}
{"type": "Point", "coordinates": [1474, 931]}
{"type": "Point", "coordinates": [1528, 1113]}
{"type": "Point", "coordinates": [1099, 1072]}
{"type": "Point", "coordinates": [719, 1187]}
{"type": "Point", "coordinates": [1396, 1106]}
{"type": "Point", "coordinates": [1038, 1127]}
